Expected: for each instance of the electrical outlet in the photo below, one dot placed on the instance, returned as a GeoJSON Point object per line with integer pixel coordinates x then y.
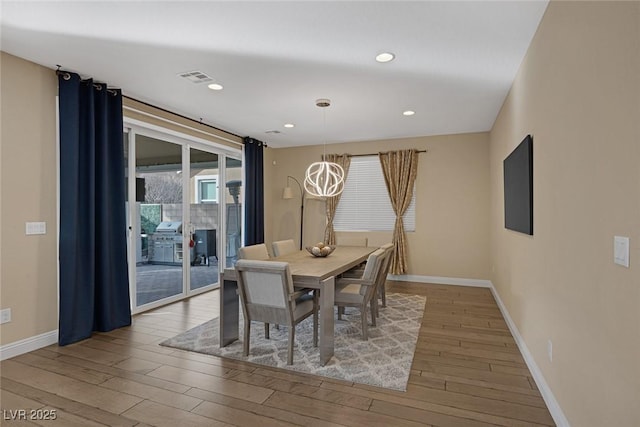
{"type": "Point", "coordinates": [550, 350]}
{"type": "Point", "coordinates": [5, 315]}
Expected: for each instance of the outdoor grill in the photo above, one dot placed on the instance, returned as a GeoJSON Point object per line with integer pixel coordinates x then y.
{"type": "Point", "coordinates": [166, 244]}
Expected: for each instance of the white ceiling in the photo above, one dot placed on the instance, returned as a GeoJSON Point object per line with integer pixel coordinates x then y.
{"type": "Point", "coordinates": [455, 61]}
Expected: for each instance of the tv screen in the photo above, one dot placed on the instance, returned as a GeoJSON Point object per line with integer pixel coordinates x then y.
{"type": "Point", "coordinates": [518, 188]}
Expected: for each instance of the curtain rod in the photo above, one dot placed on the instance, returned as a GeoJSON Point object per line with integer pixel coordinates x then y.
{"type": "Point", "coordinates": [67, 76]}
{"type": "Point", "coordinates": [180, 115]}
{"type": "Point", "coordinates": [375, 154]}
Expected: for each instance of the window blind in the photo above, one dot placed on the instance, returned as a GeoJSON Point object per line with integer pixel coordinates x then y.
{"type": "Point", "coordinates": [365, 203]}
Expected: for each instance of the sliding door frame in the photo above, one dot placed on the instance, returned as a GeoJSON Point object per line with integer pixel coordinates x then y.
{"type": "Point", "coordinates": [136, 127]}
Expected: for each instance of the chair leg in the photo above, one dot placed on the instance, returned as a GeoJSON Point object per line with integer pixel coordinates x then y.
{"type": "Point", "coordinates": [340, 311]}
{"type": "Point", "coordinates": [292, 334]}
{"type": "Point", "coordinates": [247, 334]}
{"type": "Point", "coordinates": [374, 310]}
{"type": "Point", "coordinates": [383, 292]}
{"type": "Point", "coordinates": [266, 331]}
{"type": "Point", "coordinates": [377, 307]}
{"type": "Point", "coordinates": [365, 332]}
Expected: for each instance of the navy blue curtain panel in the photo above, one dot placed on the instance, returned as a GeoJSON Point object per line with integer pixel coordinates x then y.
{"type": "Point", "coordinates": [254, 195]}
{"type": "Point", "coordinates": [94, 283]}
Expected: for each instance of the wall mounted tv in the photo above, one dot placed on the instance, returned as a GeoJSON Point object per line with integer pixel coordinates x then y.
{"type": "Point", "coordinates": [518, 188]}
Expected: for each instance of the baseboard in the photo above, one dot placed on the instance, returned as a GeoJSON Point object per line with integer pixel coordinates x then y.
{"type": "Point", "coordinates": [552, 404]}
{"type": "Point", "coordinates": [26, 345]}
{"type": "Point", "coordinates": [457, 281]}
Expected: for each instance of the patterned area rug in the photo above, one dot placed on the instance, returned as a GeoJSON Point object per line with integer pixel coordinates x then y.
{"type": "Point", "coordinates": [383, 361]}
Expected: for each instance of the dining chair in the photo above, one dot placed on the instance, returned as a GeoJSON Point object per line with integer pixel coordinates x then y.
{"type": "Point", "coordinates": [359, 269]}
{"type": "Point", "coordinates": [382, 286]}
{"type": "Point", "coordinates": [361, 292]}
{"type": "Point", "coordinates": [283, 247]}
{"type": "Point", "coordinates": [255, 252]}
{"type": "Point", "coordinates": [352, 241]}
{"type": "Point", "coordinates": [259, 252]}
{"type": "Point", "coordinates": [267, 295]}
{"type": "Point", "coordinates": [382, 277]}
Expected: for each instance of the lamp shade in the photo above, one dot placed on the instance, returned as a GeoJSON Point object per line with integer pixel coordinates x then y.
{"type": "Point", "coordinates": [287, 193]}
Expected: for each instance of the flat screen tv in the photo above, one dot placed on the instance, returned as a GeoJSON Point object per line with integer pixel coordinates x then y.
{"type": "Point", "coordinates": [518, 188]}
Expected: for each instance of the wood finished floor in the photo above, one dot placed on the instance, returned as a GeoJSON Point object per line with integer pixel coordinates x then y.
{"type": "Point", "coordinates": [467, 371]}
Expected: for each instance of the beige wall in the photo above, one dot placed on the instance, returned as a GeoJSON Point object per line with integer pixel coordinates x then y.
{"type": "Point", "coordinates": [28, 182]}
{"type": "Point", "coordinates": [452, 202]}
{"type": "Point", "coordinates": [578, 94]}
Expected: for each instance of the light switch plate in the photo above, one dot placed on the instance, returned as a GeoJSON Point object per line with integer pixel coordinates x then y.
{"type": "Point", "coordinates": [621, 250]}
{"type": "Point", "coordinates": [5, 315]}
{"type": "Point", "coordinates": [36, 228]}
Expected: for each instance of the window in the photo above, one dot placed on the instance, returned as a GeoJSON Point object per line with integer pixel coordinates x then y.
{"type": "Point", "coordinates": [365, 204]}
{"type": "Point", "coordinates": [207, 188]}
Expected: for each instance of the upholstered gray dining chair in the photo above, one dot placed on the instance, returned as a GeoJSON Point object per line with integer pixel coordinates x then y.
{"type": "Point", "coordinates": [267, 295]}
{"type": "Point", "coordinates": [382, 277]}
{"type": "Point", "coordinates": [256, 252]}
{"type": "Point", "coordinates": [283, 247]}
{"type": "Point", "coordinates": [362, 292]}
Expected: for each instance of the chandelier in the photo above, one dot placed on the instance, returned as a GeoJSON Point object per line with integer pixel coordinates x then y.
{"type": "Point", "coordinates": [324, 179]}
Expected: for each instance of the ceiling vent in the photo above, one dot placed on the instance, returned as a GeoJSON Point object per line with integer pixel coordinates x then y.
{"type": "Point", "coordinates": [272, 131]}
{"type": "Point", "coordinates": [196, 77]}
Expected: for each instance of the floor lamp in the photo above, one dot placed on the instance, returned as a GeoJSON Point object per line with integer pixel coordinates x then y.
{"type": "Point", "coordinates": [287, 193]}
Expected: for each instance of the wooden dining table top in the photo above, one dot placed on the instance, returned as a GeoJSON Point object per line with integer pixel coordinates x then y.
{"type": "Point", "coordinates": [309, 269]}
{"type": "Point", "coordinates": [305, 266]}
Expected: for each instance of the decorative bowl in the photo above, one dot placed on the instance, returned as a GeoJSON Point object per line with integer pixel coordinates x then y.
{"type": "Point", "coordinates": [320, 251]}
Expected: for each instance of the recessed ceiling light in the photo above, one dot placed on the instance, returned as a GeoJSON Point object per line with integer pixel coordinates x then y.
{"type": "Point", "coordinates": [385, 57]}
{"type": "Point", "coordinates": [215, 86]}
{"type": "Point", "coordinates": [289, 125]}
{"type": "Point", "coordinates": [408, 113]}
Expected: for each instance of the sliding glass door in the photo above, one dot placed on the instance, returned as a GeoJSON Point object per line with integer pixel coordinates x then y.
{"type": "Point", "coordinates": [205, 197]}
{"type": "Point", "coordinates": [159, 216]}
{"type": "Point", "coordinates": [178, 230]}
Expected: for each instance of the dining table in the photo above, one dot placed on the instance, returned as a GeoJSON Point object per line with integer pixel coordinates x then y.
{"type": "Point", "coordinates": [307, 271]}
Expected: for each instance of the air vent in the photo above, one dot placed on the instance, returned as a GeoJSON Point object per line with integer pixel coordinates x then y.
{"type": "Point", "coordinates": [273, 131]}
{"type": "Point", "coordinates": [196, 77]}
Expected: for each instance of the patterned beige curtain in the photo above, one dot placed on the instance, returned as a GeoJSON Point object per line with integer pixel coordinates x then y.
{"type": "Point", "coordinates": [343, 160]}
{"type": "Point", "coordinates": [400, 169]}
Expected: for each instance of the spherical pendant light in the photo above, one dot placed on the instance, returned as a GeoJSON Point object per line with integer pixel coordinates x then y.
{"type": "Point", "coordinates": [324, 179]}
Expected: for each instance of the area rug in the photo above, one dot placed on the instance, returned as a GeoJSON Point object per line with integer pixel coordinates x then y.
{"type": "Point", "coordinates": [383, 361]}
